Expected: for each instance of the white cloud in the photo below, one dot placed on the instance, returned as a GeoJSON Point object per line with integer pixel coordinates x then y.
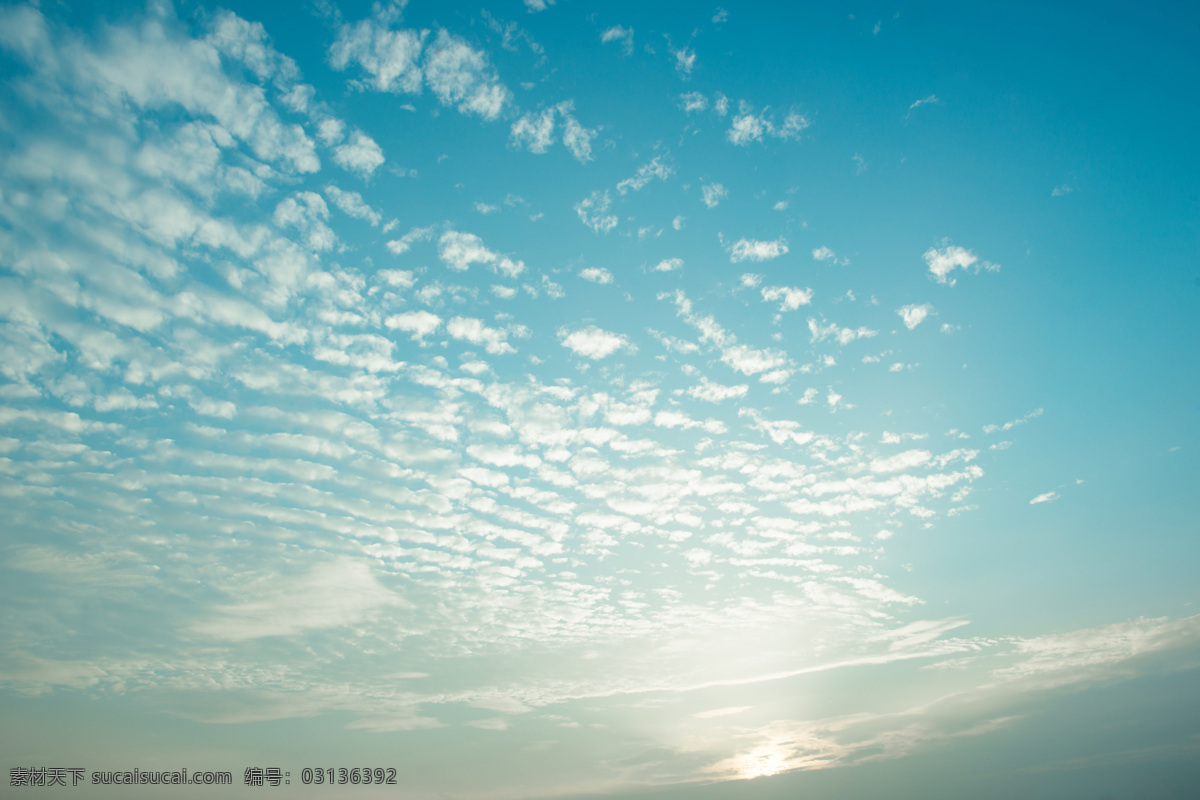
{"type": "Point", "coordinates": [714, 392]}
{"type": "Point", "coordinates": [675, 345]}
{"type": "Point", "coordinates": [772, 366]}
{"type": "Point", "coordinates": [951, 257]}
{"type": "Point", "coordinates": [535, 6]}
{"type": "Point", "coordinates": [595, 343]}
{"type": "Point", "coordinates": [789, 297]}
{"type": "Point", "coordinates": [504, 456]}
{"type": "Point", "coordinates": [459, 251]}
{"type": "Point", "coordinates": [248, 43]}
{"type": "Point", "coordinates": [390, 57]}
{"type": "Point", "coordinates": [617, 33]}
{"type": "Point", "coordinates": [914, 315]}
{"type": "Point", "coordinates": [149, 67]}
{"type": "Point", "coordinates": [901, 461]}
{"type": "Point", "coordinates": [418, 323]}
{"type": "Point", "coordinates": [823, 253]}
{"type": "Point", "coordinates": [745, 129]}
{"type": "Point", "coordinates": [784, 431]}
{"type": "Point", "coordinates": [536, 131]}
{"type": "Point", "coordinates": [646, 173]}
{"type": "Point", "coordinates": [678, 419]}
{"type": "Point", "coordinates": [403, 61]}
{"type": "Point", "coordinates": [1008, 426]}
{"type": "Point", "coordinates": [1095, 653]}
{"type": "Point", "coordinates": [677, 222]}
{"type": "Point", "coordinates": [307, 212]}
{"type": "Point", "coordinates": [213, 408]}
{"type": "Point", "coordinates": [593, 212]}
{"type": "Point", "coordinates": [685, 61]}
{"type": "Point", "coordinates": [553, 290]}
{"type": "Point", "coordinates": [841, 335]}
{"type": "Point", "coordinates": [402, 245]}
{"type": "Point", "coordinates": [713, 194]}
{"type": "Point", "coordinates": [474, 331]}
{"type": "Point", "coordinates": [1061, 191]}
{"type": "Point", "coordinates": [669, 265]}
{"type": "Point", "coordinates": [596, 275]}
{"type": "Point", "coordinates": [753, 361]}
{"type": "Point", "coordinates": [361, 155]}
{"type": "Point", "coordinates": [577, 138]}
{"type": "Point", "coordinates": [693, 101]}
{"type": "Point", "coordinates": [461, 76]}
{"type": "Point", "coordinates": [1047, 497]}
{"type": "Point", "coordinates": [509, 268]}
{"type": "Point", "coordinates": [756, 250]}
{"type": "Point", "coordinates": [352, 203]}
{"type": "Point", "coordinates": [918, 103]}
{"type": "Point", "coordinates": [122, 400]}
{"type": "Point", "coordinates": [749, 126]}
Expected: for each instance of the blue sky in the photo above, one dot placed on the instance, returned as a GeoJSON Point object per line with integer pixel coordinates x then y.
{"type": "Point", "coordinates": [547, 400]}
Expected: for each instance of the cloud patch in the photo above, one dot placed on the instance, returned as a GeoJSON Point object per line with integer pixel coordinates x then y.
{"type": "Point", "coordinates": [749, 126]}
{"type": "Point", "coordinates": [914, 315]}
{"type": "Point", "coordinates": [789, 297]}
{"type": "Point", "coordinates": [596, 275]}
{"type": "Point", "coordinates": [406, 61]}
{"type": "Point", "coordinates": [713, 194]}
{"type": "Point", "coordinates": [654, 169]}
{"type": "Point", "coordinates": [459, 251]}
{"type": "Point", "coordinates": [593, 212]}
{"type": "Point", "coordinates": [621, 34]}
{"type": "Point", "coordinates": [757, 250]}
{"type": "Point", "coordinates": [942, 262]}
{"type": "Point", "coordinates": [538, 131]}
{"type": "Point", "coordinates": [595, 343]}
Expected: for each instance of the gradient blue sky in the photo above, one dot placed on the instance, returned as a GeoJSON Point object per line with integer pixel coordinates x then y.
{"type": "Point", "coordinates": [547, 399]}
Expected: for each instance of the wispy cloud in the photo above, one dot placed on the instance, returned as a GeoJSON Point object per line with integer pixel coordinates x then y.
{"type": "Point", "coordinates": [619, 33]}
{"type": "Point", "coordinates": [1008, 426]}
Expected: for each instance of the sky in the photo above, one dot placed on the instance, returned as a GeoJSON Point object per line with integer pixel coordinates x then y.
{"type": "Point", "coordinates": [549, 400]}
